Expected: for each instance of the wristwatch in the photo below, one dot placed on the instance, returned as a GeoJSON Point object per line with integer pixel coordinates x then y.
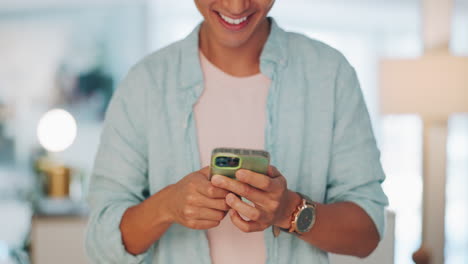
{"type": "Point", "coordinates": [302, 219]}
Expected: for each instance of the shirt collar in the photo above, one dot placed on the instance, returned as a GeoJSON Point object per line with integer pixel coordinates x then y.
{"type": "Point", "coordinates": [273, 55]}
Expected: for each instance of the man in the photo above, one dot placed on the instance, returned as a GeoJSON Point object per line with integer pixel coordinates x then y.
{"type": "Point", "coordinates": [237, 80]}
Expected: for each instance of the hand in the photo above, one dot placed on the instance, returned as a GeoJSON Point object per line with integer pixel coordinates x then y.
{"type": "Point", "coordinates": [273, 202]}
{"type": "Point", "coordinates": [195, 203]}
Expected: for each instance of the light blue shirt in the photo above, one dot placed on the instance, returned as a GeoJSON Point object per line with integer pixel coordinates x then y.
{"type": "Point", "coordinates": [317, 131]}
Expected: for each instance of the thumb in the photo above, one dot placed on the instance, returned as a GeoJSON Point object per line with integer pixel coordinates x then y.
{"type": "Point", "coordinates": [205, 171]}
{"type": "Point", "coordinates": [273, 172]}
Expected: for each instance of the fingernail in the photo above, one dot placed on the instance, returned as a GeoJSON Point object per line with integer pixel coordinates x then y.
{"type": "Point", "coordinates": [216, 179]}
{"type": "Point", "coordinates": [229, 198]}
{"type": "Point", "coordinates": [240, 173]}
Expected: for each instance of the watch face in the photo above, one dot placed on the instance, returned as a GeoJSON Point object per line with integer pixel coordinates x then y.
{"type": "Point", "coordinates": [304, 219]}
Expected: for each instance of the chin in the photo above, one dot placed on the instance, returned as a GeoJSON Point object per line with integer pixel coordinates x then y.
{"type": "Point", "coordinates": [233, 42]}
{"type": "Point", "coordinates": [236, 39]}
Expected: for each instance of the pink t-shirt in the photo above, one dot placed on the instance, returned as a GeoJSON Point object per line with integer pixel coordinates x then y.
{"type": "Point", "coordinates": [231, 113]}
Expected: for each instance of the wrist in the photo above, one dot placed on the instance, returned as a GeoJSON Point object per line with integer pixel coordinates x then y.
{"type": "Point", "coordinates": [293, 201]}
{"type": "Point", "coordinates": [161, 206]}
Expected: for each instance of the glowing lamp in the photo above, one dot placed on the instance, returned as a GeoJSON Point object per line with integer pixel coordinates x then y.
{"type": "Point", "coordinates": [56, 130]}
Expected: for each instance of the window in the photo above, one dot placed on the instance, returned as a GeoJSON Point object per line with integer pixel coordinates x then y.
{"type": "Point", "coordinates": [456, 236]}
{"type": "Point", "coordinates": [456, 230]}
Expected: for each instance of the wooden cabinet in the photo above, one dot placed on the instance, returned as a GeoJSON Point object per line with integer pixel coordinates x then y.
{"type": "Point", "coordinates": [58, 240]}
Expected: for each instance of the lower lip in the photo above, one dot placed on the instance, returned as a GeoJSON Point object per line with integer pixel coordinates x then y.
{"type": "Point", "coordinates": [233, 27]}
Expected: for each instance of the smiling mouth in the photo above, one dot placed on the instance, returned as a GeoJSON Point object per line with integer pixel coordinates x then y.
{"type": "Point", "coordinates": [232, 20]}
{"type": "Point", "coordinates": [233, 24]}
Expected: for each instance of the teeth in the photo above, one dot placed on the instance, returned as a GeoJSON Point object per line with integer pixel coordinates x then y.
{"type": "Point", "coordinates": [233, 21]}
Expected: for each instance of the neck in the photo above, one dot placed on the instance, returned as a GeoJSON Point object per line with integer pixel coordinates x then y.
{"type": "Point", "coordinates": [240, 61]}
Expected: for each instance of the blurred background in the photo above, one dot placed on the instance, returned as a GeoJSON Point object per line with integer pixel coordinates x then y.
{"type": "Point", "coordinates": [70, 55]}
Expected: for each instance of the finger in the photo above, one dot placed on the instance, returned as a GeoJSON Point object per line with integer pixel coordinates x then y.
{"type": "Point", "coordinates": [273, 172]}
{"type": "Point", "coordinates": [205, 171]}
{"type": "Point", "coordinates": [253, 194]}
{"type": "Point", "coordinates": [257, 180]}
{"type": "Point", "coordinates": [210, 214]}
{"type": "Point", "coordinates": [211, 191]}
{"type": "Point", "coordinates": [201, 224]}
{"type": "Point", "coordinates": [247, 210]}
{"type": "Point", "coordinates": [203, 201]}
{"type": "Point", "coordinates": [200, 213]}
{"type": "Point", "coordinates": [246, 226]}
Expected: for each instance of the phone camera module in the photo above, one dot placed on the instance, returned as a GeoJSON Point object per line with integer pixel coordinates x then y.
{"type": "Point", "coordinates": [221, 161]}
{"type": "Point", "coordinates": [227, 162]}
{"type": "Point", "coordinates": [233, 162]}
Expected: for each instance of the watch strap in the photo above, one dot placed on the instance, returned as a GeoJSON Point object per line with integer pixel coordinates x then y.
{"type": "Point", "coordinates": [305, 200]}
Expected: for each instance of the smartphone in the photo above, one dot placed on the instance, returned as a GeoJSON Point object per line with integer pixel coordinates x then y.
{"type": "Point", "coordinates": [226, 161]}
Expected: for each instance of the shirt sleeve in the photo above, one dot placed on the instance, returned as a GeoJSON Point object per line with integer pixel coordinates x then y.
{"type": "Point", "coordinates": [119, 178]}
{"type": "Point", "coordinates": [355, 172]}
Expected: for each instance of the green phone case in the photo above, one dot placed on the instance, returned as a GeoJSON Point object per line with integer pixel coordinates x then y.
{"type": "Point", "coordinates": [250, 159]}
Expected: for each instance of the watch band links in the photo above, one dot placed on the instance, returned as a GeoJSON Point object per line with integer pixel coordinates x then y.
{"type": "Point", "coordinates": [304, 202]}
